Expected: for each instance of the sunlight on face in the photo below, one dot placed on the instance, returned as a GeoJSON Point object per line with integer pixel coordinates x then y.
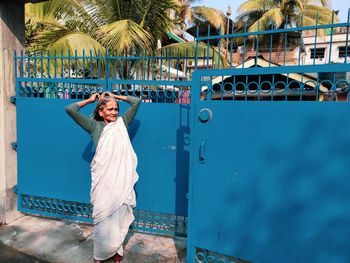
{"type": "Point", "coordinates": [110, 112]}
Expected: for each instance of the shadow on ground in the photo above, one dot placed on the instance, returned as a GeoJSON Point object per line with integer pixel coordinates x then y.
{"type": "Point", "coordinates": [10, 255]}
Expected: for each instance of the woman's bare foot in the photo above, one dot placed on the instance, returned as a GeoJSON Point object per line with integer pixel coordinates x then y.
{"type": "Point", "coordinates": [97, 261]}
{"type": "Point", "coordinates": [117, 258]}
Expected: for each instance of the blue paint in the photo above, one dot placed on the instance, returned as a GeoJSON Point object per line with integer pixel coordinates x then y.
{"type": "Point", "coordinates": [54, 154]}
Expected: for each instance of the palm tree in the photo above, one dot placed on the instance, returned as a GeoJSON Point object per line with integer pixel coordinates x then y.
{"type": "Point", "coordinates": [101, 24]}
{"type": "Point", "coordinates": [196, 14]}
{"type": "Point", "coordinates": [260, 14]}
{"type": "Point", "coordinates": [120, 26]}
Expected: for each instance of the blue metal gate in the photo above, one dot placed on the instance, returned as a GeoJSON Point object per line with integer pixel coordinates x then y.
{"type": "Point", "coordinates": [269, 168]}
{"type": "Point", "coordinates": [54, 153]}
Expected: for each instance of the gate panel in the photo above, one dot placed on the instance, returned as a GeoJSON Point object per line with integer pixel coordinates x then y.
{"type": "Point", "coordinates": [54, 156]}
{"type": "Point", "coordinates": [269, 179]}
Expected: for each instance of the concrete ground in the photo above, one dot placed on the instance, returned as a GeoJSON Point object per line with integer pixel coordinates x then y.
{"type": "Point", "coordinates": [40, 240]}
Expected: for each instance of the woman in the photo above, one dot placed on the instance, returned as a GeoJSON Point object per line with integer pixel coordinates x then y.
{"type": "Point", "coordinates": [113, 171]}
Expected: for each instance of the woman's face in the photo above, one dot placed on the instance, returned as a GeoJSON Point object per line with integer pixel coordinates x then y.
{"type": "Point", "coordinates": [110, 111]}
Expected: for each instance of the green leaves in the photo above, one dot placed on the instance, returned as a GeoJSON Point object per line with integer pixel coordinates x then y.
{"type": "Point", "coordinates": [124, 34]}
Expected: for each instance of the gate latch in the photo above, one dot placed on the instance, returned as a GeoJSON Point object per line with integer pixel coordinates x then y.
{"type": "Point", "coordinates": [202, 151]}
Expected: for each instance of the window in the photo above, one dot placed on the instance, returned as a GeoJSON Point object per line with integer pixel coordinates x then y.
{"type": "Point", "coordinates": [319, 53]}
{"type": "Point", "coordinates": [342, 51]}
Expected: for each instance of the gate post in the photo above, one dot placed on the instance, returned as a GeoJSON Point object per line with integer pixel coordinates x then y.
{"type": "Point", "coordinates": [11, 38]}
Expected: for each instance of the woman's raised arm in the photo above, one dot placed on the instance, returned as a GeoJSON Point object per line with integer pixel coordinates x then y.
{"type": "Point", "coordinates": [81, 119]}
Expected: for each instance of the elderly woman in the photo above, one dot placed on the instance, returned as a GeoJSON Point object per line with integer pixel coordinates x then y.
{"type": "Point", "coordinates": [113, 171]}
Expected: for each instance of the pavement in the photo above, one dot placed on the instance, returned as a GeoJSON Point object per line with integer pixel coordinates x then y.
{"type": "Point", "coordinates": [32, 239]}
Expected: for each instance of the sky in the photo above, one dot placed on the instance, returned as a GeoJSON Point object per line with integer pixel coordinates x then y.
{"type": "Point", "coordinates": [341, 5]}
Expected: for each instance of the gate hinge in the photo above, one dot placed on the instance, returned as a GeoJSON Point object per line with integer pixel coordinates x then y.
{"type": "Point", "coordinates": [15, 189]}
{"type": "Point", "coordinates": [13, 100]}
{"type": "Point", "coordinates": [14, 146]}
{"type": "Point", "coordinates": [188, 196]}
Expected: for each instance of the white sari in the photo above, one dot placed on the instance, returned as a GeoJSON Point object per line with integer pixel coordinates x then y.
{"type": "Point", "coordinates": [113, 172]}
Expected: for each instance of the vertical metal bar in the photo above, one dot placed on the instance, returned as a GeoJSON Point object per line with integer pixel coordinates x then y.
{"type": "Point", "coordinates": [115, 61]}
{"type": "Point", "coordinates": [186, 58]}
{"type": "Point", "coordinates": [41, 64]}
{"type": "Point", "coordinates": [315, 39]}
{"type": "Point", "coordinates": [271, 43]}
{"type": "Point", "coordinates": [219, 55]}
{"type": "Point", "coordinates": [208, 47]}
{"type": "Point", "coordinates": [257, 46]}
{"type": "Point", "coordinates": [331, 40]}
{"type": "Point", "coordinates": [213, 60]}
{"type": "Point", "coordinates": [48, 64]}
{"type": "Point", "coordinates": [347, 38]}
{"type": "Point", "coordinates": [177, 64]}
{"type": "Point", "coordinates": [161, 64]}
{"type": "Point", "coordinates": [35, 57]}
{"type": "Point", "coordinates": [317, 86]}
{"type": "Point", "coordinates": [83, 63]}
{"type": "Point", "coordinates": [144, 66]}
{"type": "Point", "coordinates": [153, 65]}
{"type": "Point", "coordinates": [98, 64]}
{"type": "Point", "coordinates": [15, 56]}
{"type": "Point", "coordinates": [123, 60]}
{"type": "Point", "coordinates": [91, 66]}
{"type": "Point", "coordinates": [76, 64]}
{"type": "Point", "coordinates": [55, 62]}
{"type": "Point", "coordinates": [137, 64]}
{"type": "Point", "coordinates": [301, 37]}
{"type": "Point", "coordinates": [301, 87]}
{"type": "Point", "coordinates": [169, 61]}
{"type": "Point", "coordinates": [245, 31]}
{"type": "Point", "coordinates": [286, 87]}
{"type": "Point", "coordinates": [62, 67]}
{"type": "Point", "coordinates": [272, 86]}
{"type": "Point", "coordinates": [197, 36]}
{"type": "Point", "coordinates": [285, 43]}
{"type": "Point", "coordinates": [246, 87]}
{"type": "Point", "coordinates": [28, 64]}
{"type": "Point", "coordinates": [234, 88]}
{"type": "Point", "coordinates": [259, 88]}
{"type": "Point", "coordinates": [107, 64]}
{"type": "Point", "coordinates": [69, 64]}
{"type": "Point", "coordinates": [22, 65]}
{"type": "Point", "coordinates": [231, 46]}
{"type": "Point", "coordinates": [333, 87]}
{"type": "Point", "coordinates": [129, 72]}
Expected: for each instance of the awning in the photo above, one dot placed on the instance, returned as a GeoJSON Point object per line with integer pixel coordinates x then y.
{"type": "Point", "coordinates": [175, 37]}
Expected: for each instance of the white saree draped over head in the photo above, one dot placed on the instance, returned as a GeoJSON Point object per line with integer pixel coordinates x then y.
{"type": "Point", "coordinates": [113, 172]}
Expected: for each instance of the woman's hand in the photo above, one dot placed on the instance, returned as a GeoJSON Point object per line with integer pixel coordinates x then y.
{"type": "Point", "coordinates": [94, 97]}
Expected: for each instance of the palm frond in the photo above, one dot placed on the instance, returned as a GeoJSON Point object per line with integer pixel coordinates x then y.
{"type": "Point", "coordinates": [214, 16]}
{"type": "Point", "coordinates": [274, 15]}
{"type": "Point", "coordinates": [124, 34]}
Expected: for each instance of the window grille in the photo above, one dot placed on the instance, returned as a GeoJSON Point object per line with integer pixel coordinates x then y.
{"type": "Point", "coordinates": [343, 52]}
{"type": "Point", "coordinates": [319, 53]}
